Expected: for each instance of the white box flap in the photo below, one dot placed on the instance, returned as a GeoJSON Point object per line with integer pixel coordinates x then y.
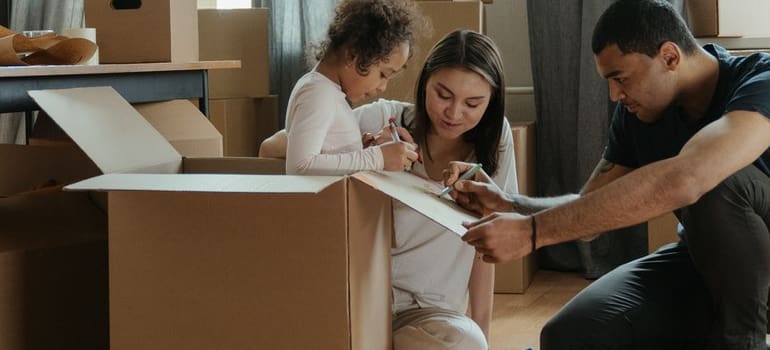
{"type": "Point", "coordinates": [421, 195]}
{"type": "Point", "coordinates": [225, 183]}
{"type": "Point", "coordinates": [111, 132]}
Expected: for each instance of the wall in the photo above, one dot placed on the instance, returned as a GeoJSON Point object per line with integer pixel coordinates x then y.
{"type": "Point", "coordinates": [507, 25]}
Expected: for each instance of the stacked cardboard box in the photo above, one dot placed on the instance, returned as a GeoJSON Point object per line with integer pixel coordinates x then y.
{"type": "Point", "coordinates": [144, 31]}
{"type": "Point", "coordinates": [515, 276]}
{"type": "Point", "coordinates": [444, 17]}
{"type": "Point", "coordinates": [240, 105]}
{"type": "Point", "coordinates": [714, 18]}
{"type": "Point", "coordinates": [53, 252]}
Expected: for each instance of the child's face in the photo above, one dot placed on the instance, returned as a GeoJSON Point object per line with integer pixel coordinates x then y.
{"type": "Point", "coordinates": [455, 99]}
{"type": "Point", "coordinates": [361, 87]}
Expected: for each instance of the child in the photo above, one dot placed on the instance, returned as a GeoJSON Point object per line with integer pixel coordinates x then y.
{"type": "Point", "coordinates": [368, 42]}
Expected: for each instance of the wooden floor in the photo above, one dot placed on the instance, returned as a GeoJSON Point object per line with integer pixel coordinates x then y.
{"type": "Point", "coordinates": [518, 318]}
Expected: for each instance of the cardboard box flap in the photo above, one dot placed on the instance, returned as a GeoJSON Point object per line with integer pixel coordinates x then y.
{"type": "Point", "coordinates": [419, 194]}
{"type": "Point", "coordinates": [224, 183]}
{"type": "Point", "coordinates": [111, 132]}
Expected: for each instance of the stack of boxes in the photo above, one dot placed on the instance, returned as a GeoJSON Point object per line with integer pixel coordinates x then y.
{"type": "Point", "coordinates": [240, 104]}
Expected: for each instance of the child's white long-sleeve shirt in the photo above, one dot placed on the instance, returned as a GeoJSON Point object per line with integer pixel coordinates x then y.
{"type": "Point", "coordinates": [324, 136]}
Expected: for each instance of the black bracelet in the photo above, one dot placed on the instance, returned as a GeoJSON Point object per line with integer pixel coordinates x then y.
{"type": "Point", "coordinates": [534, 234]}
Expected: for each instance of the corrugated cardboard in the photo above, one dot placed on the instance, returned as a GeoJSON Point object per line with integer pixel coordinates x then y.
{"type": "Point", "coordinates": [515, 276]}
{"type": "Point", "coordinates": [31, 168]}
{"type": "Point", "coordinates": [662, 230]}
{"type": "Point", "coordinates": [715, 18]}
{"type": "Point", "coordinates": [202, 261]}
{"type": "Point", "coordinates": [53, 272]}
{"type": "Point", "coordinates": [184, 127]}
{"type": "Point", "coordinates": [238, 34]}
{"type": "Point", "coordinates": [244, 123]}
{"type": "Point", "coordinates": [179, 121]}
{"type": "Point", "coordinates": [156, 31]}
{"type": "Point", "coordinates": [445, 16]}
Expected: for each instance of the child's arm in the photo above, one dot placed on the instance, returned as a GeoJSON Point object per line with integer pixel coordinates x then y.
{"type": "Point", "coordinates": [317, 117]}
{"type": "Point", "coordinates": [373, 117]}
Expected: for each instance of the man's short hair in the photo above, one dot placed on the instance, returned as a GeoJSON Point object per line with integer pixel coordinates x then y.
{"type": "Point", "coordinates": [641, 26]}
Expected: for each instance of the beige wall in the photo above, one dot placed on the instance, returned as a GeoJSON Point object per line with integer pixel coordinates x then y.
{"type": "Point", "coordinates": [507, 25]}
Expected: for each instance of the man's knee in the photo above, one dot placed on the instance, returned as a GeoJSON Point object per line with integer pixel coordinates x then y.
{"type": "Point", "coordinates": [736, 192]}
{"type": "Point", "coordinates": [568, 330]}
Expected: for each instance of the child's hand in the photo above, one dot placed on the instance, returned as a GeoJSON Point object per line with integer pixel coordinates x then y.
{"type": "Point", "coordinates": [369, 139]}
{"type": "Point", "coordinates": [398, 155]}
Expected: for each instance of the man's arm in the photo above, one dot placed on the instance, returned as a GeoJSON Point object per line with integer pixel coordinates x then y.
{"type": "Point", "coordinates": [604, 173]}
{"type": "Point", "coordinates": [714, 153]}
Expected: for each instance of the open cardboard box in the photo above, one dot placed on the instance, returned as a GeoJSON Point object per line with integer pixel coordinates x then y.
{"type": "Point", "coordinates": [218, 260]}
{"type": "Point", "coordinates": [53, 252]}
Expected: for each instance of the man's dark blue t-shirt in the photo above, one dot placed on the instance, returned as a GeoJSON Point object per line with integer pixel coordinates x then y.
{"type": "Point", "coordinates": [744, 84]}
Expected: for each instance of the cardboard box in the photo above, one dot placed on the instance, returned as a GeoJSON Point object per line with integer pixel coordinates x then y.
{"type": "Point", "coordinates": [662, 230]}
{"type": "Point", "coordinates": [53, 273]}
{"type": "Point", "coordinates": [238, 34]}
{"type": "Point", "coordinates": [244, 123]}
{"type": "Point", "coordinates": [37, 167]}
{"type": "Point", "coordinates": [722, 18]}
{"type": "Point", "coordinates": [178, 121]}
{"type": "Point", "coordinates": [216, 260]}
{"type": "Point", "coordinates": [53, 252]}
{"type": "Point", "coordinates": [184, 127]}
{"type": "Point", "coordinates": [515, 276]}
{"type": "Point", "coordinates": [144, 31]}
{"type": "Point", "coordinates": [445, 16]}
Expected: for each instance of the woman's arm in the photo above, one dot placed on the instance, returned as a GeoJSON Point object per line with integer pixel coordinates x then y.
{"type": "Point", "coordinates": [481, 289]}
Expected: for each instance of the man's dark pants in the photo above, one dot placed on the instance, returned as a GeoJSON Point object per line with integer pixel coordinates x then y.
{"type": "Point", "coordinates": [708, 292]}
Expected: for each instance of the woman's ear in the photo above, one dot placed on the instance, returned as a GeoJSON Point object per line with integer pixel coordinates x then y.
{"type": "Point", "coordinates": [670, 54]}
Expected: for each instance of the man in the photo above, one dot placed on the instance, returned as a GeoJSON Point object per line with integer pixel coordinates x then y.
{"type": "Point", "coordinates": [690, 133]}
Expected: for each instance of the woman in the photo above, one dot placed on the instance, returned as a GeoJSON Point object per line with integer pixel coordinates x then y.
{"type": "Point", "coordinates": [459, 116]}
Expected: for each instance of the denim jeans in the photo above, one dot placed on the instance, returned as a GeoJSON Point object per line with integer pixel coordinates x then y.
{"type": "Point", "coordinates": [708, 292]}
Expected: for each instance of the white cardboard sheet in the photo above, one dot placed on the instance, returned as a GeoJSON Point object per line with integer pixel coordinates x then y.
{"type": "Point", "coordinates": [224, 183]}
{"type": "Point", "coordinates": [420, 194]}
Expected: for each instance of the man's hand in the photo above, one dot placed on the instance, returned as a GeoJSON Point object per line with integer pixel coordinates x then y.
{"type": "Point", "coordinates": [480, 195]}
{"type": "Point", "coordinates": [500, 237]}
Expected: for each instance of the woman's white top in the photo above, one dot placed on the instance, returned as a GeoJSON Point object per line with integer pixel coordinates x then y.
{"type": "Point", "coordinates": [431, 265]}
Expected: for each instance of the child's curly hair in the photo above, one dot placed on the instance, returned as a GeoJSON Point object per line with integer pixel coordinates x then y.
{"type": "Point", "coordinates": [371, 29]}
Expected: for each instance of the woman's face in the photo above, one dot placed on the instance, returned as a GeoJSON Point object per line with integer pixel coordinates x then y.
{"type": "Point", "coordinates": [455, 99]}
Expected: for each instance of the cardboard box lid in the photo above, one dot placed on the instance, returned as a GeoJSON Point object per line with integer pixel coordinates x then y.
{"type": "Point", "coordinates": [415, 192]}
{"type": "Point", "coordinates": [419, 194]}
{"type": "Point", "coordinates": [111, 132]}
{"type": "Point", "coordinates": [224, 183]}
{"type": "Point", "coordinates": [184, 127]}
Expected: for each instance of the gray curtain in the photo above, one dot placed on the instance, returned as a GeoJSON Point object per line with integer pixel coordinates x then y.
{"type": "Point", "coordinates": [33, 15]}
{"type": "Point", "coordinates": [293, 25]}
{"type": "Point", "coordinates": [573, 114]}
